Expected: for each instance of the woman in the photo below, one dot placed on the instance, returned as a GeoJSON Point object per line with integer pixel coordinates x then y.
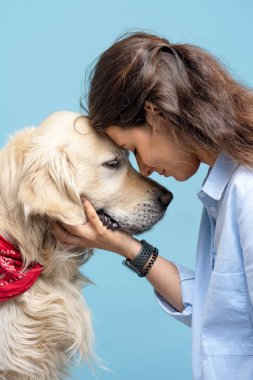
{"type": "Point", "coordinates": [175, 106]}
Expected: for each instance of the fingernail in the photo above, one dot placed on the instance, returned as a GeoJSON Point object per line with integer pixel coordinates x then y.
{"type": "Point", "coordinates": [83, 199]}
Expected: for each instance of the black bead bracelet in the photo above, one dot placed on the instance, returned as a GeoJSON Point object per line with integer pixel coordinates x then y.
{"type": "Point", "coordinates": [151, 262]}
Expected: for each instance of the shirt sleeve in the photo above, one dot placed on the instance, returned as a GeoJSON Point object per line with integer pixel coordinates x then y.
{"type": "Point", "coordinates": [244, 215]}
{"type": "Point", "coordinates": [187, 284]}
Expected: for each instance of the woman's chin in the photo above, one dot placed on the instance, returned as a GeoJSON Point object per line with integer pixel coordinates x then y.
{"type": "Point", "coordinates": [181, 177]}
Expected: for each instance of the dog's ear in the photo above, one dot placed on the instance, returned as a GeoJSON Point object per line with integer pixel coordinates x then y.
{"type": "Point", "coordinates": [48, 187]}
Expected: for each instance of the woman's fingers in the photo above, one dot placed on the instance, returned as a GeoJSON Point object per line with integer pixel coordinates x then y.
{"type": "Point", "coordinates": [93, 234]}
{"type": "Point", "coordinates": [93, 218]}
{"type": "Point", "coordinates": [82, 235]}
{"type": "Point", "coordinates": [91, 214]}
{"type": "Point", "coordinates": [64, 236]}
{"type": "Point", "coordinates": [93, 227]}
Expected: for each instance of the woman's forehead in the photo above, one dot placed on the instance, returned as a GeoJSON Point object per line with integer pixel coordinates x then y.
{"type": "Point", "coordinates": [125, 136]}
{"type": "Point", "coordinates": [114, 133]}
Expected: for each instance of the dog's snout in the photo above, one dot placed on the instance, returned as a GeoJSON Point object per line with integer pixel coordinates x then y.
{"type": "Point", "coordinates": [165, 197]}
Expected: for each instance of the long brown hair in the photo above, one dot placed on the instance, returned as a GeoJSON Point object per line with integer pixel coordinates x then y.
{"type": "Point", "coordinates": [191, 88]}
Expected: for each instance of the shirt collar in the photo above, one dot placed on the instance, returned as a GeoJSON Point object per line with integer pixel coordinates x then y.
{"type": "Point", "coordinates": [218, 176]}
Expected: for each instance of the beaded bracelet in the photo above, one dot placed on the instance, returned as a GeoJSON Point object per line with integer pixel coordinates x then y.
{"type": "Point", "coordinates": [151, 262]}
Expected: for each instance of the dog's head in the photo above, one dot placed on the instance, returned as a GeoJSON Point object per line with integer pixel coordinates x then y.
{"type": "Point", "coordinates": [67, 159]}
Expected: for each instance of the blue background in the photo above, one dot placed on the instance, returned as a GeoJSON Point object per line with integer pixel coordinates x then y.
{"type": "Point", "coordinates": [46, 47]}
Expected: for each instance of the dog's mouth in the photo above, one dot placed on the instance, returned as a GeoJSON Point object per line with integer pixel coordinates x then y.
{"type": "Point", "coordinates": [107, 220]}
{"type": "Point", "coordinates": [125, 225]}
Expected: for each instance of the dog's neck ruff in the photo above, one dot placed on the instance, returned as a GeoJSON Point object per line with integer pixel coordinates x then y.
{"type": "Point", "coordinates": [14, 281]}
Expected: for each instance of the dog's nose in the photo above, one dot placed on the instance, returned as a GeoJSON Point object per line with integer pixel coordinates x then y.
{"type": "Point", "coordinates": [165, 197]}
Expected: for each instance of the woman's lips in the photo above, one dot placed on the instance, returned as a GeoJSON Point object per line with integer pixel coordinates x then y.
{"type": "Point", "coordinates": [164, 173]}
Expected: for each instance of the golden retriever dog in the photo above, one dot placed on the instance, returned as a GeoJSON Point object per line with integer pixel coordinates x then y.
{"type": "Point", "coordinates": [44, 172]}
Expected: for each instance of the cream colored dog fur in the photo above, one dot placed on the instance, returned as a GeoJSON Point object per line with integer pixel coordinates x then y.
{"type": "Point", "coordinates": [44, 171]}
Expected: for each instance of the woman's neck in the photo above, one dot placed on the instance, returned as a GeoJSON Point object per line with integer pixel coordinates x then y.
{"type": "Point", "coordinates": [207, 157]}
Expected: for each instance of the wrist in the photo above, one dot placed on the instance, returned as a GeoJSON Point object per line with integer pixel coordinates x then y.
{"type": "Point", "coordinates": [144, 260]}
{"type": "Point", "coordinates": [130, 248]}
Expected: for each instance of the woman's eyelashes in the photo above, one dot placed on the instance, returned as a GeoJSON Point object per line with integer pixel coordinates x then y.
{"type": "Point", "coordinates": [133, 150]}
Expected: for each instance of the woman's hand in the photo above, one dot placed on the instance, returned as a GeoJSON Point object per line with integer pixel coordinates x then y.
{"type": "Point", "coordinates": [94, 234]}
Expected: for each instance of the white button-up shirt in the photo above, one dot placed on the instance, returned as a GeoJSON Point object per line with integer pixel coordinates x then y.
{"type": "Point", "coordinates": [218, 297]}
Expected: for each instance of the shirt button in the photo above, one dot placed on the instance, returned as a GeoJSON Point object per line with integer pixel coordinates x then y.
{"type": "Point", "coordinates": [213, 211]}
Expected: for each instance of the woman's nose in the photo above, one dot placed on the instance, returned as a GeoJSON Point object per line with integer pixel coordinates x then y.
{"type": "Point", "coordinates": [145, 170]}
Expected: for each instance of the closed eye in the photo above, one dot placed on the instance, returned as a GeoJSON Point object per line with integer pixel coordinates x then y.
{"type": "Point", "coordinates": [112, 164]}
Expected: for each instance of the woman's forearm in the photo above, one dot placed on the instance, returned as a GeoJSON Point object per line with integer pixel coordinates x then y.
{"type": "Point", "coordinates": [163, 275]}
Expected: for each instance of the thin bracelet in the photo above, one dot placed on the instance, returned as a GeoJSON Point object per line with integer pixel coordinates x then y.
{"type": "Point", "coordinates": [150, 264]}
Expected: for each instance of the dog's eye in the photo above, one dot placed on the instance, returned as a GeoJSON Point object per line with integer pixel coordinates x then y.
{"type": "Point", "coordinates": [111, 164]}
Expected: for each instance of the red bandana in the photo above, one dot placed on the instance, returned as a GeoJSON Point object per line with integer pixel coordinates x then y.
{"type": "Point", "coordinates": [12, 280]}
